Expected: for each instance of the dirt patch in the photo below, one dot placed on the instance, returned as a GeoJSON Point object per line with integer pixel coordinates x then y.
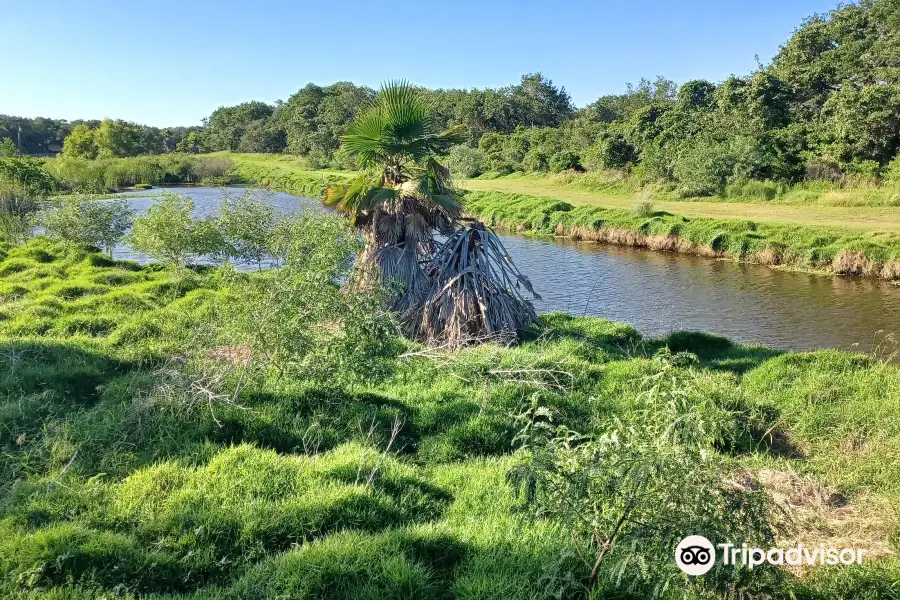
{"type": "Point", "coordinates": [769, 256]}
{"type": "Point", "coordinates": [813, 514]}
{"type": "Point", "coordinates": [238, 355]}
{"type": "Point", "coordinates": [891, 270]}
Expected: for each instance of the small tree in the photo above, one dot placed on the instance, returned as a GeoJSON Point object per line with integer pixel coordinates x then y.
{"type": "Point", "coordinates": [8, 148]}
{"type": "Point", "coordinates": [100, 223]}
{"type": "Point", "coordinates": [167, 231]}
{"type": "Point", "coordinates": [246, 226]}
{"type": "Point", "coordinates": [650, 479]}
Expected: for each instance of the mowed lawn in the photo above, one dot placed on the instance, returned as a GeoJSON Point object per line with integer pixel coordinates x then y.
{"type": "Point", "coordinates": [871, 218]}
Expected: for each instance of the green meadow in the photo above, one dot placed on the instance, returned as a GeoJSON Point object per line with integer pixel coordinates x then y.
{"type": "Point", "coordinates": [118, 482]}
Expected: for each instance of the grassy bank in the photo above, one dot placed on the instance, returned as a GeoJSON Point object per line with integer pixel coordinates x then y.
{"type": "Point", "coordinates": [810, 205]}
{"type": "Point", "coordinates": [827, 239]}
{"type": "Point", "coordinates": [284, 172]}
{"type": "Point", "coordinates": [116, 484]}
{"type": "Point", "coordinates": [832, 250]}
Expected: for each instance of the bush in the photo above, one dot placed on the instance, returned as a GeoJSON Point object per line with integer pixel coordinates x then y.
{"type": "Point", "coordinates": [100, 223]}
{"type": "Point", "coordinates": [632, 491]}
{"type": "Point", "coordinates": [246, 227]}
{"type": "Point", "coordinates": [644, 209]}
{"type": "Point", "coordinates": [703, 169]}
{"type": "Point", "coordinates": [565, 160]}
{"type": "Point", "coordinates": [465, 162]}
{"type": "Point", "coordinates": [168, 232]}
{"type": "Point", "coordinates": [892, 170]}
{"type": "Point", "coordinates": [297, 319]}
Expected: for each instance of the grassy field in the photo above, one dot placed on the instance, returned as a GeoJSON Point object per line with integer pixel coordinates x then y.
{"type": "Point", "coordinates": [115, 484]}
{"type": "Point", "coordinates": [869, 209]}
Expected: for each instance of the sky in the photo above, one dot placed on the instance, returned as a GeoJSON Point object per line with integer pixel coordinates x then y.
{"type": "Point", "coordinates": [172, 62]}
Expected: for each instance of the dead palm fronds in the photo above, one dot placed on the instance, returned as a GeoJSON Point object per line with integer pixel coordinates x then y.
{"type": "Point", "coordinates": [476, 291]}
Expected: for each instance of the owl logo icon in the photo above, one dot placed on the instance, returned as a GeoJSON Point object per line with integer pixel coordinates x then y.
{"type": "Point", "coordinates": [695, 555]}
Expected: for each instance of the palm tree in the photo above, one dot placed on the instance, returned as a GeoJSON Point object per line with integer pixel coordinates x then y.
{"type": "Point", "coordinates": [403, 196]}
{"type": "Point", "coordinates": [465, 289]}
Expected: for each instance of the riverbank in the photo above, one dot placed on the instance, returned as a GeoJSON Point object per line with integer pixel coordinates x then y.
{"type": "Point", "coordinates": [827, 240]}
{"type": "Point", "coordinates": [836, 251]}
{"type": "Point", "coordinates": [113, 480]}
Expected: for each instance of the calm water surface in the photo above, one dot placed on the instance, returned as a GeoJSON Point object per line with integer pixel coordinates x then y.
{"type": "Point", "coordinates": [661, 292]}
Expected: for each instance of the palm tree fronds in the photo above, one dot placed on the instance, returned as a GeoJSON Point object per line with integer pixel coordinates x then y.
{"type": "Point", "coordinates": [476, 291]}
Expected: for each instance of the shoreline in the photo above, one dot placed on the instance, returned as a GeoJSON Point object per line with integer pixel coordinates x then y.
{"type": "Point", "coordinates": [832, 253]}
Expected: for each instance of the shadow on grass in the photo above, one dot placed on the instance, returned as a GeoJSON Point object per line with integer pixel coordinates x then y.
{"type": "Point", "coordinates": [715, 352]}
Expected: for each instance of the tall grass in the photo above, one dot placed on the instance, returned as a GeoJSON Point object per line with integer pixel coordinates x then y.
{"type": "Point", "coordinates": [97, 176]}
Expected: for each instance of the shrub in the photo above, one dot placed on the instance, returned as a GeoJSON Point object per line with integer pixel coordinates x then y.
{"type": "Point", "coordinates": [100, 223]}
{"type": "Point", "coordinates": [465, 162]}
{"type": "Point", "coordinates": [167, 231]}
{"type": "Point", "coordinates": [565, 160]}
{"type": "Point", "coordinates": [892, 170]}
{"type": "Point", "coordinates": [297, 319]}
{"type": "Point", "coordinates": [703, 169]}
{"type": "Point", "coordinates": [644, 209]}
{"type": "Point", "coordinates": [246, 227]}
{"type": "Point", "coordinates": [632, 492]}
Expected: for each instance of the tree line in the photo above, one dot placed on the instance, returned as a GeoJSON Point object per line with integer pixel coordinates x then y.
{"type": "Point", "coordinates": [826, 107]}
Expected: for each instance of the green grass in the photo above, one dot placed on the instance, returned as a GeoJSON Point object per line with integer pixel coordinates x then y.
{"type": "Point", "coordinates": [113, 486]}
{"type": "Point", "coordinates": [808, 204]}
{"type": "Point", "coordinates": [284, 172]}
{"type": "Point", "coordinates": [826, 249]}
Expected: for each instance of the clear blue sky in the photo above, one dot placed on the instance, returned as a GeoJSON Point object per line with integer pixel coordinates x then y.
{"type": "Point", "coordinates": [172, 62]}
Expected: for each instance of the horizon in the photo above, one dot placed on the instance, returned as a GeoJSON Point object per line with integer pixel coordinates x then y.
{"type": "Point", "coordinates": [112, 72]}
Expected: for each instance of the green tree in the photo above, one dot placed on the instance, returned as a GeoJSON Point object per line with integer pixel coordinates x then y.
{"type": "Point", "coordinates": [80, 143]}
{"type": "Point", "coordinates": [862, 124]}
{"type": "Point", "coordinates": [404, 194]}
{"type": "Point", "coordinates": [192, 143]}
{"type": "Point", "coordinates": [315, 117]}
{"type": "Point", "coordinates": [8, 148]}
{"type": "Point", "coordinates": [263, 135]}
{"type": "Point", "coordinates": [227, 125]}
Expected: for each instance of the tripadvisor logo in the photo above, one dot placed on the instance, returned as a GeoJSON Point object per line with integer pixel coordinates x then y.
{"type": "Point", "coordinates": [696, 555]}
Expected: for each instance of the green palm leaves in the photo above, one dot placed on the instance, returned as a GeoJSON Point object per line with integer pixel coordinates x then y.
{"type": "Point", "coordinates": [396, 140]}
{"type": "Point", "coordinates": [397, 128]}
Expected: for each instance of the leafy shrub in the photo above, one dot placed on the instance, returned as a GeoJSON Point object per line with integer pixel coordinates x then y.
{"type": "Point", "coordinates": [892, 170]}
{"type": "Point", "coordinates": [246, 227]}
{"type": "Point", "coordinates": [100, 223]}
{"type": "Point", "coordinates": [565, 160]}
{"type": "Point", "coordinates": [167, 231]}
{"type": "Point", "coordinates": [297, 319]}
{"type": "Point", "coordinates": [703, 169]}
{"type": "Point", "coordinates": [465, 162]}
{"type": "Point", "coordinates": [631, 492]}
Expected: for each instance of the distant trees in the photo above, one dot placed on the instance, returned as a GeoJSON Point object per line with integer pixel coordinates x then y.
{"type": "Point", "coordinates": [828, 103]}
{"type": "Point", "coordinates": [227, 125]}
{"type": "Point", "coordinates": [315, 117]}
{"type": "Point", "coordinates": [117, 139]}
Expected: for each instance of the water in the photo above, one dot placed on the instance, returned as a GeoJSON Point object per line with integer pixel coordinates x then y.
{"type": "Point", "coordinates": [661, 292]}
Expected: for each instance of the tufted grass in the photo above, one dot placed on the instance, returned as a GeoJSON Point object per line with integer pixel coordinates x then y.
{"type": "Point", "coordinates": [111, 486]}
